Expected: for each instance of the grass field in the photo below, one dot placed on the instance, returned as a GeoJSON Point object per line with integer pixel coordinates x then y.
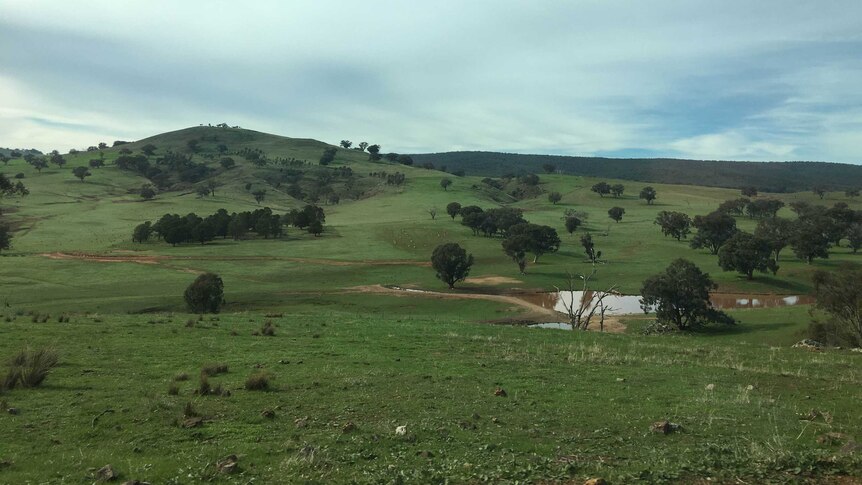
{"type": "Point", "coordinates": [577, 406]}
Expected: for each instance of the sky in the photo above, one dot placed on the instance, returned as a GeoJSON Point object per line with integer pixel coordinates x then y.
{"type": "Point", "coordinates": [733, 80]}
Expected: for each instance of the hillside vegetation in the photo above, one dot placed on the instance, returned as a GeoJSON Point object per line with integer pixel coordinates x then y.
{"type": "Point", "coordinates": [765, 176]}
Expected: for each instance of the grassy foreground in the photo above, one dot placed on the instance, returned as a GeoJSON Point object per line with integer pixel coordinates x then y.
{"type": "Point", "coordinates": [577, 405]}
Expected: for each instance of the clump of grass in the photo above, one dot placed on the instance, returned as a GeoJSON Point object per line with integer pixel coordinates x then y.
{"type": "Point", "coordinates": [190, 323]}
{"type": "Point", "coordinates": [189, 411]}
{"type": "Point", "coordinates": [204, 387]}
{"type": "Point", "coordinates": [173, 389]}
{"type": "Point", "coordinates": [214, 369]}
{"type": "Point", "coordinates": [29, 368]}
{"type": "Point", "coordinates": [259, 381]}
{"type": "Point", "coordinates": [182, 376]}
{"type": "Point", "coordinates": [268, 329]}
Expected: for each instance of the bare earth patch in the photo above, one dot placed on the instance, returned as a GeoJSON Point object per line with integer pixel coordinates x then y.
{"type": "Point", "coordinates": [492, 280]}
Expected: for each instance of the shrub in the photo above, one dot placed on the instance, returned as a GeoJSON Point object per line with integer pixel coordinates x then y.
{"type": "Point", "coordinates": [182, 376]}
{"type": "Point", "coordinates": [268, 329]}
{"type": "Point", "coordinates": [29, 368]}
{"type": "Point", "coordinates": [259, 381]}
{"type": "Point", "coordinates": [214, 369]}
{"type": "Point", "coordinates": [205, 294]}
{"type": "Point", "coordinates": [173, 389]}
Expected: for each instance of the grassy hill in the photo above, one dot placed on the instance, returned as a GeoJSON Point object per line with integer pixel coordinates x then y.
{"type": "Point", "coordinates": [765, 176]}
{"type": "Point", "coordinates": [352, 360]}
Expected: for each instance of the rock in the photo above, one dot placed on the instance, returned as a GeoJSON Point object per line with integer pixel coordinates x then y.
{"type": "Point", "coordinates": [808, 344]}
{"type": "Point", "coordinates": [193, 422]}
{"type": "Point", "coordinates": [710, 387]}
{"type": "Point", "coordinates": [664, 427]}
{"type": "Point", "coordinates": [596, 481]}
{"type": "Point", "coordinates": [12, 411]}
{"type": "Point", "coordinates": [500, 392]}
{"type": "Point", "coordinates": [401, 431]}
{"type": "Point", "coordinates": [349, 427]}
{"type": "Point", "coordinates": [749, 388]}
{"type": "Point", "coordinates": [857, 349]}
{"type": "Point", "coordinates": [621, 379]}
{"type": "Point", "coordinates": [268, 413]}
{"type": "Point", "coordinates": [228, 464]}
{"type": "Point", "coordinates": [495, 420]}
{"type": "Point", "coordinates": [106, 474]}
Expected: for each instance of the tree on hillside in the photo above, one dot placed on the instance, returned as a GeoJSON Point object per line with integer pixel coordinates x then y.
{"type": "Point", "coordinates": [809, 239]}
{"type": "Point", "coordinates": [516, 247]}
{"type": "Point", "coordinates": [259, 195]}
{"type": "Point", "coordinates": [81, 172]}
{"type": "Point", "coordinates": [362, 146]}
{"type": "Point", "coordinates": [776, 232]}
{"type": "Point", "coordinates": [616, 213]}
{"type": "Point", "coordinates": [839, 294]}
{"type": "Point", "coordinates": [315, 228]}
{"type": "Point", "coordinates": [540, 239]}
{"type": "Point", "coordinates": [453, 209]}
{"type": "Point", "coordinates": [762, 208]}
{"type": "Point", "coordinates": [713, 230]}
{"type": "Point", "coordinates": [680, 297]}
{"type": "Point", "coordinates": [39, 163]}
{"type": "Point", "coordinates": [572, 224]}
{"type": "Point", "coordinates": [555, 197]}
{"type": "Point", "coordinates": [854, 237]}
{"type": "Point", "coordinates": [96, 163]}
{"type": "Point", "coordinates": [590, 248]}
{"type": "Point", "coordinates": [5, 237]}
{"type": "Point", "coordinates": [601, 188]}
{"type": "Point", "coordinates": [57, 159]}
{"type": "Point", "coordinates": [149, 149]}
{"type": "Point", "coordinates": [746, 253]}
{"type": "Point", "coordinates": [4, 159]}
{"type": "Point", "coordinates": [142, 232]}
{"type": "Point", "coordinates": [7, 188]}
{"type": "Point", "coordinates": [819, 190]}
{"type": "Point", "coordinates": [549, 167]}
{"type": "Point", "coordinates": [202, 191]}
{"type": "Point", "coordinates": [432, 211]}
{"type": "Point", "coordinates": [674, 224]}
{"type": "Point", "coordinates": [328, 156]}
{"type": "Point", "coordinates": [373, 152]}
{"type": "Point", "coordinates": [147, 192]}
{"type": "Point", "coordinates": [102, 145]}
{"type": "Point", "coordinates": [648, 194]}
{"type": "Point", "coordinates": [205, 294]}
{"type": "Point", "coordinates": [749, 191]}
{"type": "Point", "coordinates": [734, 206]}
{"type": "Point", "coordinates": [227, 163]}
{"type": "Point", "coordinates": [617, 190]}
{"type": "Point", "coordinates": [445, 183]}
{"type": "Point", "coordinates": [346, 143]}
{"type": "Point", "coordinates": [452, 263]}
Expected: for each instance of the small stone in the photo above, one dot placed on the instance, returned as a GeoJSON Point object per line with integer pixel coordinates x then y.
{"type": "Point", "coordinates": [596, 481]}
{"type": "Point", "coordinates": [349, 427]}
{"type": "Point", "coordinates": [621, 379]}
{"type": "Point", "coordinates": [401, 431]}
{"type": "Point", "coordinates": [106, 474]}
{"type": "Point", "coordinates": [12, 411]}
{"type": "Point", "coordinates": [500, 392]}
{"type": "Point", "coordinates": [495, 420]}
{"type": "Point", "coordinates": [749, 388]}
{"type": "Point", "coordinates": [664, 427]}
{"type": "Point", "coordinates": [268, 413]}
{"type": "Point", "coordinates": [710, 387]}
{"type": "Point", "coordinates": [193, 422]}
{"type": "Point", "coordinates": [300, 422]}
{"type": "Point", "coordinates": [228, 464]}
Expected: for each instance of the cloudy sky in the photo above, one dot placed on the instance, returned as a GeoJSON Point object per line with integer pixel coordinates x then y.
{"type": "Point", "coordinates": [741, 80]}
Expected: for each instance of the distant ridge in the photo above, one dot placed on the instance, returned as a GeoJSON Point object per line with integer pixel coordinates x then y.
{"type": "Point", "coordinates": [765, 176]}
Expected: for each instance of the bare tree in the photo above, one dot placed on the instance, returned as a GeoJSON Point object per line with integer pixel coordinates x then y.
{"type": "Point", "coordinates": [592, 302]}
{"type": "Point", "coordinates": [432, 212]}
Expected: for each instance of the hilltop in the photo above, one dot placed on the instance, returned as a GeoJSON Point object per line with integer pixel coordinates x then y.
{"type": "Point", "coordinates": [765, 176]}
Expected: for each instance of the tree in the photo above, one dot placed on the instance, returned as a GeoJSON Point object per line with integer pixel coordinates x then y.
{"type": "Point", "coordinates": [713, 230]}
{"type": "Point", "coordinates": [97, 163]}
{"type": "Point", "coordinates": [328, 156]}
{"type": "Point", "coordinates": [452, 263]}
{"type": "Point", "coordinates": [819, 190]}
{"type": "Point", "coordinates": [142, 232]}
{"type": "Point", "coordinates": [617, 190]}
{"type": "Point", "coordinates": [149, 149]}
{"type": "Point", "coordinates": [373, 152]}
{"type": "Point", "coordinates": [453, 209]}
{"type": "Point", "coordinates": [58, 159]}
{"type": "Point", "coordinates": [776, 232]}
{"type": "Point", "coordinates": [839, 294]}
{"type": "Point", "coordinates": [227, 163]}
{"type": "Point", "coordinates": [540, 239]}
{"type": "Point", "coordinates": [432, 212]}
{"type": "Point", "coordinates": [572, 224]}
{"type": "Point", "coordinates": [674, 224]}
{"type": "Point", "coordinates": [749, 191]}
{"type": "Point", "coordinates": [102, 145]}
{"type": "Point", "coordinates": [4, 159]}
{"type": "Point", "coordinates": [516, 247]}
{"type": "Point", "coordinates": [202, 191]}
{"type": "Point", "coordinates": [147, 192]}
{"type": "Point", "coordinates": [616, 213]}
{"type": "Point", "coordinates": [680, 296]}
{"type": "Point", "coordinates": [362, 146]}
{"type": "Point", "coordinates": [746, 253]}
{"type": "Point", "coordinates": [81, 172]}
{"type": "Point", "coordinates": [584, 302]}
{"type": "Point", "coordinates": [39, 164]}
{"type": "Point", "coordinates": [809, 239]}
{"type": "Point", "coordinates": [549, 168]}
{"type": "Point", "coordinates": [346, 143]}
{"type": "Point", "coordinates": [5, 237]}
{"type": "Point", "coordinates": [648, 194]}
{"type": "Point", "coordinates": [601, 188]}
{"type": "Point", "coordinates": [7, 188]}
{"type": "Point", "coordinates": [259, 195]}
{"type": "Point", "coordinates": [590, 248]}
{"type": "Point", "coordinates": [734, 206]}
{"type": "Point", "coordinates": [205, 294]}
{"type": "Point", "coordinates": [854, 236]}
{"type": "Point", "coordinates": [762, 208]}
{"type": "Point", "coordinates": [315, 228]}
{"type": "Point", "coordinates": [555, 197]}
{"type": "Point", "coordinates": [445, 183]}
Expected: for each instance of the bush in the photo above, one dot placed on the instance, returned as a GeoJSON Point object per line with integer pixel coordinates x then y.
{"type": "Point", "coordinates": [205, 294]}
{"type": "Point", "coordinates": [259, 381]}
{"type": "Point", "coordinates": [268, 329]}
{"type": "Point", "coordinates": [214, 369]}
{"type": "Point", "coordinates": [29, 368]}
